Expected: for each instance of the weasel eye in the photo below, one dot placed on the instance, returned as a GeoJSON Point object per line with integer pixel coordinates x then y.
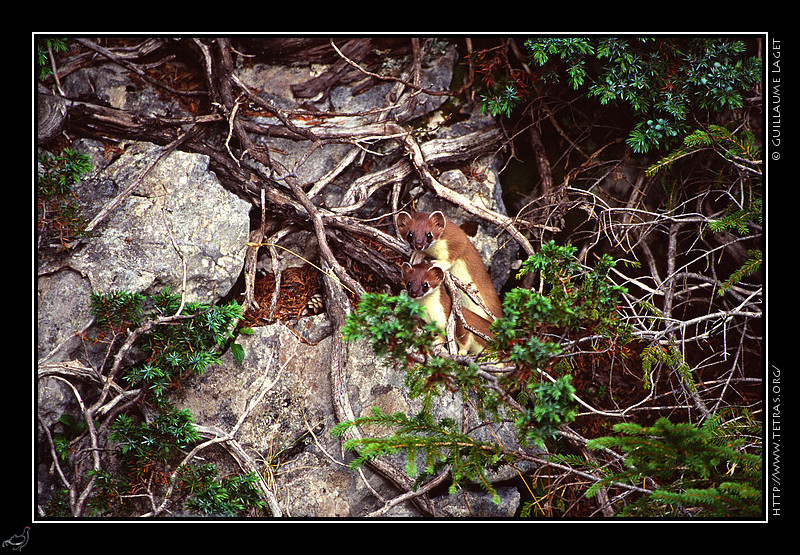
{"type": "Point", "coordinates": [430, 236]}
{"type": "Point", "coordinates": [410, 235]}
{"type": "Point", "coordinates": [425, 286]}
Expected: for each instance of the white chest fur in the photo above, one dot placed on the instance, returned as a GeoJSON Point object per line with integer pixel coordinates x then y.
{"type": "Point", "coordinates": [434, 311]}
{"type": "Point", "coordinates": [439, 251]}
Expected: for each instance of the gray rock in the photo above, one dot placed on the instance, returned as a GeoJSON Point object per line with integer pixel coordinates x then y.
{"type": "Point", "coordinates": [179, 214]}
{"type": "Point", "coordinates": [281, 394]}
{"type": "Point", "coordinates": [62, 308]}
{"type": "Point", "coordinates": [278, 400]}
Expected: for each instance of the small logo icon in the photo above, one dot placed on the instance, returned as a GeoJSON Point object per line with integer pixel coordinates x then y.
{"type": "Point", "coordinates": [18, 541]}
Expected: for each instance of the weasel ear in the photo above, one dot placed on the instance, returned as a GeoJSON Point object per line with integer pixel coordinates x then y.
{"type": "Point", "coordinates": [403, 219]}
{"type": "Point", "coordinates": [406, 269]}
{"type": "Point", "coordinates": [437, 219]}
{"type": "Point", "coordinates": [437, 271]}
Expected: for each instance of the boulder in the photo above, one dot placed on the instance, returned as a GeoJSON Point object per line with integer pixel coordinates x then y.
{"type": "Point", "coordinates": [179, 225]}
{"type": "Point", "coordinates": [180, 228]}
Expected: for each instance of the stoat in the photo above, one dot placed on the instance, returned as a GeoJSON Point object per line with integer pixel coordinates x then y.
{"type": "Point", "coordinates": [423, 283]}
{"type": "Point", "coordinates": [432, 233]}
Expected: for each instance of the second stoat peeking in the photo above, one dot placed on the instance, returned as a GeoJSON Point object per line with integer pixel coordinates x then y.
{"type": "Point", "coordinates": [423, 283]}
{"type": "Point", "coordinates": [433, 234]}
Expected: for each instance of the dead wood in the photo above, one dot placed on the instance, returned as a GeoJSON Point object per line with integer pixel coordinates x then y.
{"type": "Point", "coordinates": [283, 194]}
{"type": "Point", "coordinates": [340, 72]}
{"type": "Point", "coordinates": [684, 267]}
{"type": "Point", "coordinates": [350, 244]}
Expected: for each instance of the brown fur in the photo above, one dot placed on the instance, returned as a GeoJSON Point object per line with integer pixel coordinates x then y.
{"type": "Point", "coordinates": [435, 235]}
{"type": "Point", "coordinates": [423, 283]}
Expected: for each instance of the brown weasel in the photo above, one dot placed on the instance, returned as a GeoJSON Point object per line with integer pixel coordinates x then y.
{"type": "Point", "coordinates": [423, 283]}
{"type": "Point", "coordinates": [434, 234]}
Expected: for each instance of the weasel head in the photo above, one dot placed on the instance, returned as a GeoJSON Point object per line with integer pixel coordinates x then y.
{"type": "Point", "coordinates": [422, 229]}
{"type": "Point", "coordinates": [420, 280]}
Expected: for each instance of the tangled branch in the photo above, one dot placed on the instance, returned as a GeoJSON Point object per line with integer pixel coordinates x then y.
{"type": "Point", "coordinates": [689, 247]}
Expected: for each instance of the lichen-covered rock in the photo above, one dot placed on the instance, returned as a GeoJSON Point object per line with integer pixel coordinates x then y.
{"type": "Point", "coordinates": [179, 214]}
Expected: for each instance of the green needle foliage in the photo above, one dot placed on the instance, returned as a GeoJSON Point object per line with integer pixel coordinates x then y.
{"type": "Point", "coordinates": [672, 358]}
{"type": "Point", "coordinates": [740, 221]}
{"type": "Point", "coordinates": [706, 470]}
{"type": "Point", "coordinates": [575, 301]}
{"type": "Point", "coordinates": [553, 407]}
{"type": "Point", "coordinates": [390, 324]}
{"type": "Point", "coordinates": [210, 495]}
{"type": "Point", "coordinates": [575, 297]}
{"type": "Point", "coordinates": [142, 444]}
{"type": "Point", "coordinates": [118, 309]}
{"type": "Point", "coordinates": [436, 442]}
{"type": "Point", "coordinates": [175, 346]}
{"type": "Point", "coordinates": [501, 101]}
{"type": "Point", "coordinates": [43, 50]}
{"type": "Point", "coordinates": [739, 148]}
{"type": "Point", "coordinates": [183, 346]}
{"type": "Point", "coordinates": [57, 214]}
{"type": "Point", "coordinates": [750, 266]}
{"type": "Point", "coordinates": [665, 82]}
{"type": "Point", "coordinates": [61, 171]}
{"type": "Point", "coordinates": [741, 155]}
{"type": "Point", "coordinates": [67, 430]}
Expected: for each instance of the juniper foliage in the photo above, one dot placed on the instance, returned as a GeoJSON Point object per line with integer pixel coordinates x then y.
{"type": "Point", "coordinates": [56, 211]}
{"type": "Point", "coordinates": [176, 345]}
{"type": "Point", "coordinates": [181, 347]}
{"type": "Point", "coordinates": [706, 470]}
{"type": "Point", "coordinates": [390, 323]}
{"type": "Point", "coordinates": [209, 494]}
{"type": "Point", "coordinates": [576, 300]}
{"type": "Point", "coordinates": [666, 83]}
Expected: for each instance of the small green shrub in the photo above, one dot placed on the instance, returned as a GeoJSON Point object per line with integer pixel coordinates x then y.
{"type": "Point", "coordinates": [706, 470]}
{"type": "Point", "coordinates": [667, 83]}
{"type": "Point", "coordinates": [43, 55]}
{"type": "Point", "coordinates": [210, 495]}
{"type": "Point", "coordinates": [576, 300]}
{"type": "Point", "coordinates": [175, 345]}
{"type": "Point", "coordinates": [56, 212]}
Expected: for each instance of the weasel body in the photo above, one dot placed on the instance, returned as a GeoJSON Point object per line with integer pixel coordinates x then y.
{"type": "Point", "coordinates": [432, 233]}
{"type": "Point", "coordinates": [423, 284]}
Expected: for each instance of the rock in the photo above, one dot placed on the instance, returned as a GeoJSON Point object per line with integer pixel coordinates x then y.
{"type": "Point", "coordinates": [279, 398]}
{"type": "Point", "coordinates": [281, 394]}
{"type": "Point", "coordinates": [111, 85]}
{"type": "Point", "coordinates": [180, 204]}
{"type": "Point", "coordinates": [288, 429]}
{"type": "Point", "coordinates": [483, 189]}
{"type": "Point", "coordinates": [179, 214]}
{"type": "Point", "coordinates": [468, 503]}
{"type": "Point", "coordinates": [62, 308]}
